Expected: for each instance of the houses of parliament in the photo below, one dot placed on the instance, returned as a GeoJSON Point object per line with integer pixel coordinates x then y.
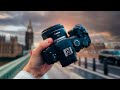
{"type": "Point", "coordinates": [11, 48]}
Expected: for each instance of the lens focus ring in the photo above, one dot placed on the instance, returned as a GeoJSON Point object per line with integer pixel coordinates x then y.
{"type": "Point", "coordinates": [46, 32]}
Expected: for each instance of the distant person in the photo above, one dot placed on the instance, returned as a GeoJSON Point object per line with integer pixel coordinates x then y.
{"type": "Point", "coordinates": [36, 67]}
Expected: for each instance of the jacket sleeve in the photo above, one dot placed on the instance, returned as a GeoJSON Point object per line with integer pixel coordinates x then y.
{"type": "Point", "coordinates": [24, 75]}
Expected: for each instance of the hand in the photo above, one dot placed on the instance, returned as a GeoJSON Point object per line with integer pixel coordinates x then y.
{"type": "Point", "coordinates": [36, 66]}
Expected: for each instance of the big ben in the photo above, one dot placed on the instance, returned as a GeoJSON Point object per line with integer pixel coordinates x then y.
{"type": "Point", "coordinates": [29, 36]}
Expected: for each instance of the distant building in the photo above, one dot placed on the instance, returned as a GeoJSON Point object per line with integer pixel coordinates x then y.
{"type": "Point", "coordinates": [112, 45]}
{"type": "Point", "coordinates": [11, 48]}
{"type": "Point", "coordinates": [117, 47]}
{"type": "Point", "coordinates": [29, 37]}
{"type": "Point", "coordinates": [94, 48]}
{"type": "Point", "coordinates": [99, 46]}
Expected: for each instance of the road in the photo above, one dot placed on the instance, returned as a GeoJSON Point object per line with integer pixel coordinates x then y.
{"type": "Point", "coordinates": [111, 69]}
{"type": "Point", "coordinates": [58, 72]}
{"type": "Point", "coordinates": [86, 73]}
{"type": "Point", "coordinates": [70, 72]}
{"type": "Point", "coordinates": [114, 71]}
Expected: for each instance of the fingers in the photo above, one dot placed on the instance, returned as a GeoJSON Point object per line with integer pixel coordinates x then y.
{"type": "Point", "coordinates": [44, 44]}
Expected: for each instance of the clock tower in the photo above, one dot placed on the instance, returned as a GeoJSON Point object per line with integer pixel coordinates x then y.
{"type": "Point", "coordinates": [29, 36]}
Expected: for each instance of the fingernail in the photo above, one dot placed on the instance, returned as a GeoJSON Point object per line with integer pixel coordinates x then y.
{"type": "Point", "coordinates": [50, 40]}
{"type": "Point", "coordinates": [31, 52]}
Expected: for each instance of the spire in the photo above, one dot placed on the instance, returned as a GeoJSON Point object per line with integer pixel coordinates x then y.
{"type": "Point", "coordinates": [30, 26]}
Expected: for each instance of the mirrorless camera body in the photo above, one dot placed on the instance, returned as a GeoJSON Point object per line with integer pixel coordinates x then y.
{"type": "Point", "coordinates": [64, 47]}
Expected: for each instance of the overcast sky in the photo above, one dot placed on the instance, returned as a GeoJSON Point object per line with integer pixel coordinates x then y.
{"type": "Point", "coordinates": [98, 23]}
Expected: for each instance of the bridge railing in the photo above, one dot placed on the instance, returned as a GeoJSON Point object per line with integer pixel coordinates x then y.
{"type": "Point", "coordinates": [9, 70]}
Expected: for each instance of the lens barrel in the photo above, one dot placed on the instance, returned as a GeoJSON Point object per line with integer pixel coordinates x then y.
{"type": "Point", "coordinates": [55, 32]}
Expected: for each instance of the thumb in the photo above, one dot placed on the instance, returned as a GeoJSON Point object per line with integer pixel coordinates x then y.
{"type": "Point", "coordinates": [44, 44]}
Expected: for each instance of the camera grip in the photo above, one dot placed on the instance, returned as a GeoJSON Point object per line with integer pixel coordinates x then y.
{"type": "Point", "coordinates": [49, 55]}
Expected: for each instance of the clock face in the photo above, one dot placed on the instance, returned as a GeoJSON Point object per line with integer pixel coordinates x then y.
{"type": "Point", "coordinates": [29, 30]}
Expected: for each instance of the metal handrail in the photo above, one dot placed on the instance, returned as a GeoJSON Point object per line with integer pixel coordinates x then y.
{"type": "Point", "coordinates": [9, 70]}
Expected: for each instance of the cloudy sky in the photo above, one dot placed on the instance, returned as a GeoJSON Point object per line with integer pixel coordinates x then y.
{"type": "Point", "coordinates": [98, 23]}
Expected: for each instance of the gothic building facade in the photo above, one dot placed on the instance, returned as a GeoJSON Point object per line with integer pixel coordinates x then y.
{"type": "Point", "coordinates": [9, 48]}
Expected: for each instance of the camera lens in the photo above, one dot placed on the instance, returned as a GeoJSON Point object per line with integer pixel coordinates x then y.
{"type": "Point", "coordinates": [56, 32]}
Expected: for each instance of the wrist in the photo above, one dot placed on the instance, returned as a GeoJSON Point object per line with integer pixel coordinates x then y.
{"type": "Point", "coordinates": [32, 71]}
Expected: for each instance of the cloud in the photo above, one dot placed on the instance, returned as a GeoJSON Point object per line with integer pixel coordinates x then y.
{"type": "Point", "coordinates": [104, 23]}
{"type": "Point", "coordinates": [13, 28]}
{"type": "Point", "coordinates": [4, 16]}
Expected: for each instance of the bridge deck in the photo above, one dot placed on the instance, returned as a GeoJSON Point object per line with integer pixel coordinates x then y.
{"type": "Point", "coordinates": [58, 72]}
{"type": "Point", "coordinates": [72, 71]}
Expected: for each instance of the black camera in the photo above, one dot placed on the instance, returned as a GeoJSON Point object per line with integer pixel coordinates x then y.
{"type": "Point", "coordinates": [64, 47]}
